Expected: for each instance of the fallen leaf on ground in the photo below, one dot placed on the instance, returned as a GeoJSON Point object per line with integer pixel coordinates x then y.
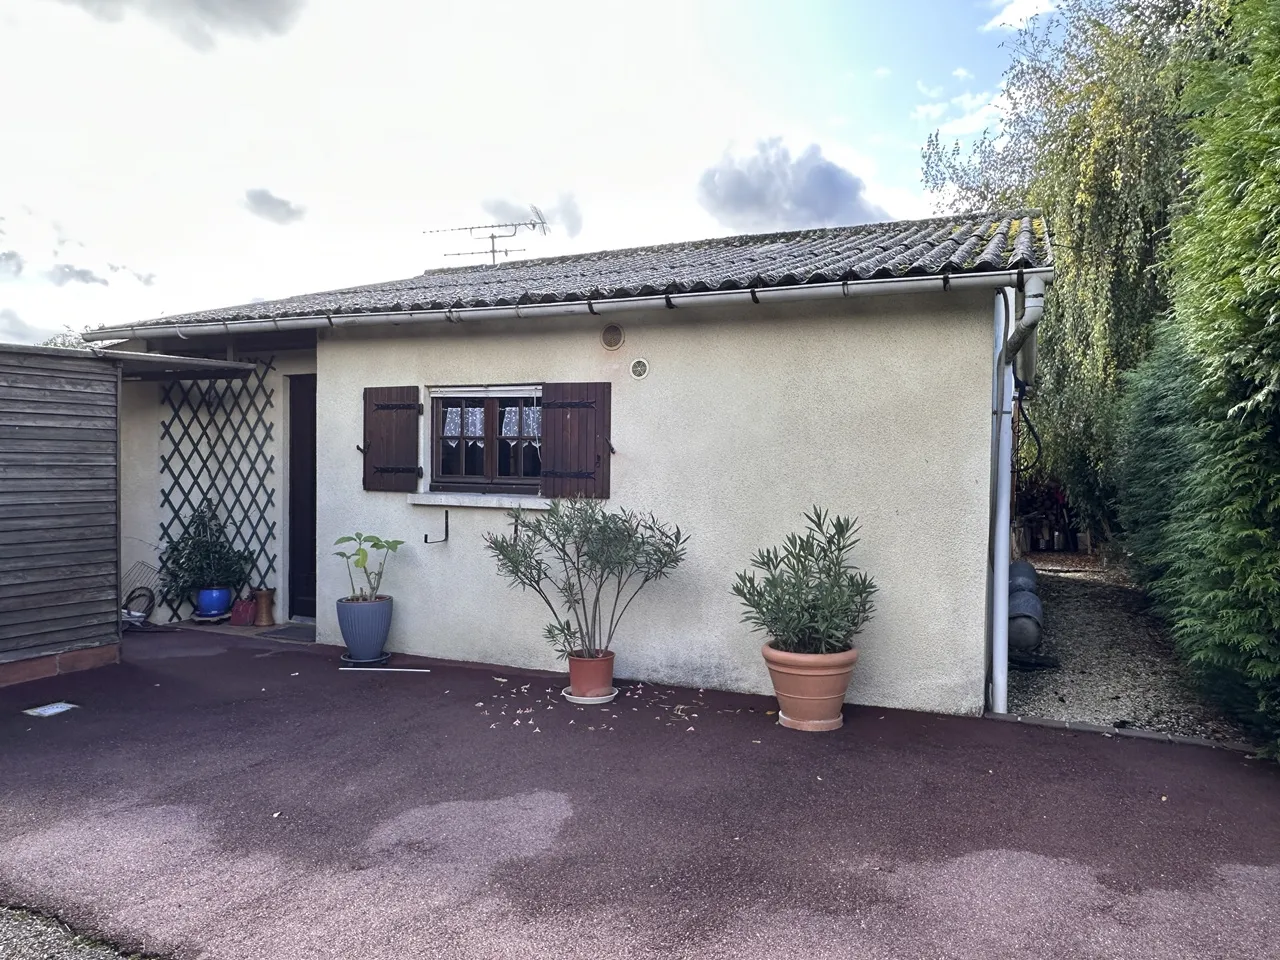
{"type": "Point", "coordinates": [501, 679]}
{"type": "Point", "coordinates": [276, 814]}
{"type": "Point", "coordinates": [770, 713]}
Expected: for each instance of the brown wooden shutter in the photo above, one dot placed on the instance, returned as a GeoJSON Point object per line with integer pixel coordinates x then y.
{"type": "Point", "coordinates": [391, 433]}
{"type": "Point", "coordinates": [575, 440]}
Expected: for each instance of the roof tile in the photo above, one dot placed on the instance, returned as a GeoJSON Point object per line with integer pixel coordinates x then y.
{"type": "Point", "coordinates": [936, 246]}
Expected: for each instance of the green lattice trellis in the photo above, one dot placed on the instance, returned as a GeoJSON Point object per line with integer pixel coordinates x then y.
{"type": "Point", "coordinates": [214, 447]}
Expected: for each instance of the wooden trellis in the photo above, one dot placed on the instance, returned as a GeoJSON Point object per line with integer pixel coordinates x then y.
{"type": "Point", "coordinates": [215, 446]}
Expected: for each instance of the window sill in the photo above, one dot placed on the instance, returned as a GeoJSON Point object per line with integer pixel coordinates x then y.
{"type": "Point", "coordinates": [495, 501]}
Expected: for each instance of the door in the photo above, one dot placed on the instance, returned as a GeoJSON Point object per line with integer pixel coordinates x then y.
{"type": "Point", "coordinates": [302, 495]}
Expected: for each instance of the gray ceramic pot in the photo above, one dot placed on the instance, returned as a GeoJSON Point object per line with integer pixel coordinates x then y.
{"type": "Point", "coordinates": [365, 625]}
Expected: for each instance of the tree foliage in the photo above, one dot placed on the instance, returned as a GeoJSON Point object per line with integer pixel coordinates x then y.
{"type": "Point", "coordinates": [1093, 133]}
{"type": "Point", "coordinates": [1214, 551]}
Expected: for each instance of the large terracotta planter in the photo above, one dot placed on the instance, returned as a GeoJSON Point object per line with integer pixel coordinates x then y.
{"type": "Point", "coordinates": [810, 686]}
{"type": "Point", "coordinates": [591, 676]}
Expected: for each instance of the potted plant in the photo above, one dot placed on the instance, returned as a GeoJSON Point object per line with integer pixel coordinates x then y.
{"type": "Point", "coordinates": [587, 564]}
{"type": "Point", "coordinates": [203, 561]}
{"type": "Point", "coordinates": [364, 616]}
{"type": "Point", "coordinates": [811, 601]}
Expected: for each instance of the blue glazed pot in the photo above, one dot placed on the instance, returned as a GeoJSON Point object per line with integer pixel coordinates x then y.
{"type": "Point", "coordinates": [365, 625]}
{"type": "Point", "coordinates": [213, 602]}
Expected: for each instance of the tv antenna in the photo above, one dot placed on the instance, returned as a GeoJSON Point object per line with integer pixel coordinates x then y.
{"type": "Point", "coordinates": [498, 231]}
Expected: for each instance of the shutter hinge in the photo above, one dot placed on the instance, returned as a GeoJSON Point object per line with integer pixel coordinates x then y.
{"type": "Point", "coordinates": [398, 406]}
{"type": "Point", "coordinates": [414, 470]}
{"type": "Point", "coordinates": [565, 404]}
{"type": "Point", "coordinates": [569, 474]}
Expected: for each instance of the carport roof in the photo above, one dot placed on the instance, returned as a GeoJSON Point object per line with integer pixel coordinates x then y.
{"type": "Point", "coordinates": [142, 366]}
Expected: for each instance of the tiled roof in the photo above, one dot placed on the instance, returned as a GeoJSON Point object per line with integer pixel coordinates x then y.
{"type": "Point", "coordinates": [944, 245]}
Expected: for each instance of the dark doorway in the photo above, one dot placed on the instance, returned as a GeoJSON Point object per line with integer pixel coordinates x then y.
{"type": "Point", "coordinates": [302, 495]}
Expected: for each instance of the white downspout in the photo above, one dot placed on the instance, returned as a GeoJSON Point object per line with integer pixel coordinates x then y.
{"type": "Point", "coordinates": [1009, 338]}
{"type": "Point", "coordinates": [1002, 433]}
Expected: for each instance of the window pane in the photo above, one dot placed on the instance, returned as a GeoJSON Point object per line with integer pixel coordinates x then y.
{"type": "Point", "coordinates": [474, 456]}
{"type": "Point", "coordinates": [450, 457]}
{"type": "Point", "coordinates": [509, 417]}
{"type": "Point", "coordinates": [508, 458]}
{"type": "Point", "coordinates": [451, 418]}
{"type": "Point", "coordinates": [473, 422]}
{"type": "Point", "coordinates": [533, 418]}
{"type": "Point", "coordinates": [531, 459]}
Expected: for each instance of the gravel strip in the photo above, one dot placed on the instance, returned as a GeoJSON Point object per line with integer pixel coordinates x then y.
{"type": "Point", "coordinates": [1119, 667]}
{"type": "Point", "coordinates": [29, 936]}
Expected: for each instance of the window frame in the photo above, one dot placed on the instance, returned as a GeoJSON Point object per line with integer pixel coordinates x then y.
{"type": "Point", "coordinates": [490, 482]}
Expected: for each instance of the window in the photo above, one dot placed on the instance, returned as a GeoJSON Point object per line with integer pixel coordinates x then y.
{"type": "Point", "coordinates": [487, 441]}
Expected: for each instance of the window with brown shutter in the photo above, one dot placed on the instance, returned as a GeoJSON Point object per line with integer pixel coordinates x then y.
{"type": "Point", "coordinates": [391, 438]}
{"type": "Point", "coordinates": [575, 440]}
{"type": "Point", "coordinates": [550, 441]}
{"type": "Point", "coordinates": [489, 441]}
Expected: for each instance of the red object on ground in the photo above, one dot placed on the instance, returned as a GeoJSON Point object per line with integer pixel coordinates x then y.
{"type": "Point", "coordinates": [243, 612]}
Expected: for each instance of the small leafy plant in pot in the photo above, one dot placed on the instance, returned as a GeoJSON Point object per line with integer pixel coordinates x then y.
{"type": "Point", "coordinates": [364, 617]}
{"type": "Point", "coordinates": [203, 562]}
{"type": "Point", "coordinates": [587, 564]}
{"type": "Point", "coordinates": [811, 601]}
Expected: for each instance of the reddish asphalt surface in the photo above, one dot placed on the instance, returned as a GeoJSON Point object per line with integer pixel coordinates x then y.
{"type": "Point", "coordinates": [221, 798]}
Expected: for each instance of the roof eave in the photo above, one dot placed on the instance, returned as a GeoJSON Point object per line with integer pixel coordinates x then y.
{"type": "Point", "coordinates": [759, 295]}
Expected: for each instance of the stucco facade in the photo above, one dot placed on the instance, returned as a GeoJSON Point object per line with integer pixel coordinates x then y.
{"type": "Point", "coordinates": [874, 407]}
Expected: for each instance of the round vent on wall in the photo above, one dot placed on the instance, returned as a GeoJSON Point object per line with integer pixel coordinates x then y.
{"type": "Point", "coordinates": [611, 337]}
{"type": "Point", "coordinates": [639, 368]}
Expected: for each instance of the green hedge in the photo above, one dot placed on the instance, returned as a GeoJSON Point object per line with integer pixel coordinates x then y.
{"type": "Point", "coordinates": [1205, 408]}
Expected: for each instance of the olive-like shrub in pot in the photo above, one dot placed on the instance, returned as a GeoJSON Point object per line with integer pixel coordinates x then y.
{"type": "Point", "coordinates": [587, 564]}
{"type": "Point", "coordinates": [811, 601]}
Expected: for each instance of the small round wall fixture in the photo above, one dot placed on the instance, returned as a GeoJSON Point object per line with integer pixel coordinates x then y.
{"type": "Point", "coordinates": [612, 336]}
{"type": "Point", "coordinates": [639, 368]}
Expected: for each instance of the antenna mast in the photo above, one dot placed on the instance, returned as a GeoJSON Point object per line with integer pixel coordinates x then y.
{"type": "Point", "coordinates": [498, 231]}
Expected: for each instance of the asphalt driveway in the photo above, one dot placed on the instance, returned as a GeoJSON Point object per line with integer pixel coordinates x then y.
{"type": "Point", "coordinates": [222, 798]}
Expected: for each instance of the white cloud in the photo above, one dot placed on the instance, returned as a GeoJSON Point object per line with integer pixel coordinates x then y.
{"type": "Point", "coordinates": [969, 102]}
{"type": "Point", "coordinates": [1014, 14]}
{"type": "Point", "coordinates": [882, 72]}
{"type": "Point", "coordinates": [960, 73]}
{"type": "Point", "coordinates": [931, 92]}
{"type": "Point", "coordinates": [978, 116]}
{"type": "Point", "coordinates": [929, 111]}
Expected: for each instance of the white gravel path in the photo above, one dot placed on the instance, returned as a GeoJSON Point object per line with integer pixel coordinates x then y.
{"type": "Point", "coordinates": [1119, 667]}
{"type": "Point", "coordinates": [28, 936]}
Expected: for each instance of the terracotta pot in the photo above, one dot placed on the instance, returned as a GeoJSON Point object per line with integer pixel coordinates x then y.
{"type": "Point", "coordinates": [265, 601]}
{"type": "Point", "coordinates": [591, 676]}
{"type": "Point", "coordinates": [810, 686]}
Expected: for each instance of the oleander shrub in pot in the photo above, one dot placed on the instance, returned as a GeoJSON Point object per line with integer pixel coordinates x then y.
{"type": "Point", "coordinates": [587, 564]}
{"type": "Point", "coordinates": [812, 602]}
{"type": "Point", "coordinates": [202, 561]}
{"type": "Point", "coordinates": [364, 616]}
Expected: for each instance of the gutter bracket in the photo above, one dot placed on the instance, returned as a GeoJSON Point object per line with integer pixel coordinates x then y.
{"type": "Point", "coordinates": [754, 297]}
{"type": "Point", "coordinates": [667, 297]}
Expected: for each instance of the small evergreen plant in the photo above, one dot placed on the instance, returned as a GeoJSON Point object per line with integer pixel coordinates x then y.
{"type": "Point", "coordinates": [811, 598]}
{"type": "Point", "coordinates": [203, 557]}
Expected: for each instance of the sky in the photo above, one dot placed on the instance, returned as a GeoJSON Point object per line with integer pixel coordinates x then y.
{"type": "Point", "coordinates": [164, 156]}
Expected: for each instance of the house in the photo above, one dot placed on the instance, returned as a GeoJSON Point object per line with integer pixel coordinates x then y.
{"type": "Point", "coordinates": [60, 573]}
{"type": "Point", "coordinates": [726, 385]}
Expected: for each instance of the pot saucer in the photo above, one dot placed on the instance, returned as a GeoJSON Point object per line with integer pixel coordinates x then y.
{"type": "Point", "coordinates": [588, 701]}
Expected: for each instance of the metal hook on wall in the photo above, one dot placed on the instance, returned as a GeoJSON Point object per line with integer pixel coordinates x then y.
{"type": "Point", "coordinates": [426, 538]}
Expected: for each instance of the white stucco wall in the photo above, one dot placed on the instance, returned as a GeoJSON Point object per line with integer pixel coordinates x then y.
{"type": "Point", "coordinates": [876, 407]}
{"type": "Point", "coordinates": [141, 414]}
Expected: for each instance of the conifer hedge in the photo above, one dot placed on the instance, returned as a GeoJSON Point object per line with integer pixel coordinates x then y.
{"type": "Point", "coordinates": [1201, 483]}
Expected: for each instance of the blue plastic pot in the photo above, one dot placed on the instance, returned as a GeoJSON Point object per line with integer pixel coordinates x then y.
{"type": "Point", "coordinates": [365, 625]}
{"type": "Point", "coordinates": [213, 602]}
